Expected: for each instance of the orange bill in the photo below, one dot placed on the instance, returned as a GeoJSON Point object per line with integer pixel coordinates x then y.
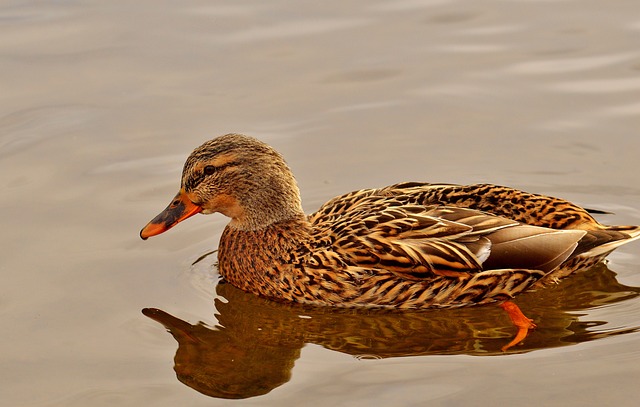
{"type": "Point", "coordinates": [178, 210]}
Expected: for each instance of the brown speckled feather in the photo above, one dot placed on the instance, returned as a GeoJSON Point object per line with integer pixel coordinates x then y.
{"type": "Point", "coordinates": [410, 245]}
{"type": "Point", "coordinates": [384, 248]}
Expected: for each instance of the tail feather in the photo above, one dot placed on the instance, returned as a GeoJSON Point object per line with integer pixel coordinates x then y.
{"type": "Point", "coordinates": [597, 243]}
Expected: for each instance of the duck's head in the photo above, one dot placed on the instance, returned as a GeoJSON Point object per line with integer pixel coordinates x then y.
{"type": "Point", "coordinates": [238, 176]}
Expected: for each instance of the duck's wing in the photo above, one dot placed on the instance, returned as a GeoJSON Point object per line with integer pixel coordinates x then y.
{"type": "Point", "coordinates": [419, 242]}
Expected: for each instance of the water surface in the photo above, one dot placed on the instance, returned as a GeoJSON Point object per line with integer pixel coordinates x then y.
{"type": "Point", "coordinates": [102, 101]}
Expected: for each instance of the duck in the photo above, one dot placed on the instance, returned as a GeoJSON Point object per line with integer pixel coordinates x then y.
{"type": "Point", "coordinates": [412, 245]}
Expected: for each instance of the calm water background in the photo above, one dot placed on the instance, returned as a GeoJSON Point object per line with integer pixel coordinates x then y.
{"type": "Point", "coordinates": [102, 101]}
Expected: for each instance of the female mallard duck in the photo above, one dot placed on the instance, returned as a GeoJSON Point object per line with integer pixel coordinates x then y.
{"type": "Point", "coordinates": [410, 245]}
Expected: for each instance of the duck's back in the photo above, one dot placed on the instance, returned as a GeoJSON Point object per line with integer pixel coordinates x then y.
{"type": "Point", "coordinates": [423, 231]}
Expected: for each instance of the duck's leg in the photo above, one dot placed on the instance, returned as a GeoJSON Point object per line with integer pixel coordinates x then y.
{"type": "Point", "coordinates": [523, 323]}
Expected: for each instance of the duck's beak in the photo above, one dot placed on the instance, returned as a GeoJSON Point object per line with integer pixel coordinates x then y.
{"type": "Point", "coordinates": [178, 210]}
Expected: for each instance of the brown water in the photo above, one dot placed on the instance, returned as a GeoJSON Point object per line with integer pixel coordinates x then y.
{"type": "Point", "coordinates": [102, 101]}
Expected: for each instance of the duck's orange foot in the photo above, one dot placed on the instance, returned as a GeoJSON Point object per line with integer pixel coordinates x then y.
{"type": "Point", "coordinates": [523, 323]}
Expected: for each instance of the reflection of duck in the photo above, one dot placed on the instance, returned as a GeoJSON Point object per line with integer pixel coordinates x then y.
{"type": "Point", "coordinates": [410, 245]}
{"type": "Point", "coordinates": [256, 342]}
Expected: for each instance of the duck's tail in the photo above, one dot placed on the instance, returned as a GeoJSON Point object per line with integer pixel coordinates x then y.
{"type": "Point", "coordinates": [601, 242]}
{"type": "Point", "coordinates": [592, 248]}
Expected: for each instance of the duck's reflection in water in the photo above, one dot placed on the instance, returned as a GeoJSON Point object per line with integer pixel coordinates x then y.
{"type": "Point", "coordinates": [253, 348]}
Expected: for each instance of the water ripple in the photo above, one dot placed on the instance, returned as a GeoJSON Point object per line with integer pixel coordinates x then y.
{"type": "Point", "coordinates": [631, 109]}
{"type": "Point", "coordinates": [600, 86]}
{"type": "Point", "coordinates": [292, 29]}
{"type": "Point", "coordinates": [24, 128]}
{"type": "Point", "coordinates": [552, 66]}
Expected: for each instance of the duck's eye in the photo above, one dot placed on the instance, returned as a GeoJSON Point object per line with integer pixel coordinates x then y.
{"type": "Point", "coordinates": [209, 170]}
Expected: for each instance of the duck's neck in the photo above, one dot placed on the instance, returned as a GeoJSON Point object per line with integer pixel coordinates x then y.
{"type": "Point", "coordinates": [265, 198]}
{"type": "Point", "coordinates": [259, 216]}
{"type": "Point", "coordinates": [253, 259]}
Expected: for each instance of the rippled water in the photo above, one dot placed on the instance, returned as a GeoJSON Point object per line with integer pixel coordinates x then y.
{"type": "Point", "coordinates": [102, 101]}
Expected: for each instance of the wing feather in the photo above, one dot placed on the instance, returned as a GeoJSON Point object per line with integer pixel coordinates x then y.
{"type": "Point", "coordinates": [373, 228]}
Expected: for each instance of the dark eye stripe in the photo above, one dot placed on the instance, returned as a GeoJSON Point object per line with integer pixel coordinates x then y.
{"type": "Point", "coordinates": [206, 171]}
{"type": "Point", "coordinates": [219, 168]}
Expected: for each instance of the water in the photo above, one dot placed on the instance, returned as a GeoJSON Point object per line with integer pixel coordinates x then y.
{"type": "Point", "coordinates": [102, 101]}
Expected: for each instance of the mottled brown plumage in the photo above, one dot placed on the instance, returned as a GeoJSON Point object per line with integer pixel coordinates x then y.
{"type": "Point", "coordinates": [410, 245]}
